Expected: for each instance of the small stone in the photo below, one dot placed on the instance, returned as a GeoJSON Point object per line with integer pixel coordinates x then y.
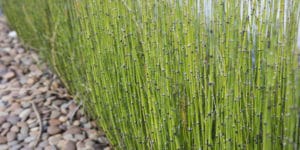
{"type": "Point", "coordinates": [34, 129]}
{"type": "Point", "coordinates": [25, 104]}
{"type": "Point", "coordinates": [61, 144]}
{"type": "Point", "coordinates": [29, 139]}
{"type": "Point", "coordinates": [3, 114]}
{"type": "Point", "coordinates": [2, 139]}
{"type": "Point", "coordinates": [6, 98]}
{"type": "Point", "coordinates": [54, 114]}
{"type": "Point", "coordinates": [79, 137]}
{"type": "Point", "coordinates": [11, 136]}
{"type": "Point", "coordinates": [17, 112]}
{"type": "Point", "coordinates": [14, 128]}
{"type": "Point", "coordinates": [2, 67]}
{"type": "Point", "coordinates": [73, 130]}
{"type": "Point", "coordinates": [45, 136]}
{"type": "Point", "coordinates": [69, 137]}
{"type": "Point", "coordinates": [54, 85]}
{"type": "Point", "coordinates": [87, 125]}
{"type": "Point", "coordinates": [63, 118]}
{"type": "Point", "coordinates": [54, 122]}
{"type": "Point", "coordinates": [31, 121]}
{"type": "Point", "coordinates": [31, 81]}
{"type": "Point", "coordinates": [92, 134]}
{"type": "Point", "coordinates": [76, 123]}
{"type": "Point", "coordinates": [2, 119]}
{"type": "Point", "coordinates": [107, 148]}
{"type": "Point", "coordinates": [64, 111]}
{"type": "Point", "coordinates": [32, 144]}
{"type": "Point", "coordinates": [9, 75]}
{"type": "Point", "coordinates": [83, 120]}
{"type": "Point", "coordinates": [4, 132]}
{"type": "Point", "coordinates": [6, 125]}
{"type": "Point", "coordinates": [12, 34]}
{"type": "Point", "coordinates": [58, 102]}
{"type": "Point", "coordinates": [12, 143]}
{"type": "Point", "coordinates": [18, 147]}
{"type": "Point", "coordinates": [24, 129]}
{"type": "Point", "coordinates": [24, 114]}
{"type": "Point", "coordinates": [14, 106]}
{"type": "Point", "coordinates": [3, 146]}
{"type": "Point", "coordinates": [13, 119]}
{"type": "Point", "coordinates": [102, 140]}
{"type": "Point", "coordinates": [89, 143]}
{"type": "Point", "coordinates": [43, 143]}
{"type": "Point", "coordinates": [70, 145]}
{"type": "Point", "coordinates": [80, 145]}
{"type": "Point", "coordinates": [53, 140]}
{"type": "Point", "coordinates": [21, 136]}
{"type": "Point", "coordinates": [32, 125]}
{"type": "Point", "coordinates": [50, 147]}
{"type": "Point", "coordinates": [34, 133]}
{"type": "Point", "coordinates": [23, 79]}
{"type": "Point", "coordinates": [53, 130]}
{"type": "Point", "coordinates": [94, 124]}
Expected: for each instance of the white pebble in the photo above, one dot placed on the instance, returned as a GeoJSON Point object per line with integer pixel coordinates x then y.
{"type": "Point", "coordinates": [24, 114]}
{"type": "Point", "coordinates": [12, 34]}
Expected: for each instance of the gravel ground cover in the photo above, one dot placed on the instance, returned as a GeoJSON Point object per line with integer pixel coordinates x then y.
{"type": "Point", "coordinates": [36, 111]}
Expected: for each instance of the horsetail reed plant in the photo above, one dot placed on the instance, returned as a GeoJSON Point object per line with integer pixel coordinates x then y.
{"type": "Point", "coordinates": [175, 74]}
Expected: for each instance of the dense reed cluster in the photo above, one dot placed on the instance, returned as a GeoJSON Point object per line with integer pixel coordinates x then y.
{"type": "Point", "coordinates": [175, 74]}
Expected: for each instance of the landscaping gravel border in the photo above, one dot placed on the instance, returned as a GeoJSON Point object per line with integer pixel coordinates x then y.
{"type": "Point", "coordinates": [36, 111]}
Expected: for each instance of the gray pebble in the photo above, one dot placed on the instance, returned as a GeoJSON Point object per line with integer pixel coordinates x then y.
{"type": "Point", "coordinates": [89, 143]}
{"type": "Point", "coordinates": [50, 147]}
{"type": "Point", "coordinates": [6, 125]}
{"type": "Point", "coordinates": [69, 137]}
{"type": "Point", "coordinates": [45, 136]}
{"type": "Point", "coordinates": [61, 144]}
{"type": "Point", "coordinates": [3, 146]}
{"type": "Point", "coordinates": [34, 124]}
{"type": "Point", "coordinates": [53, 130]}
{"type": "Point", "coordinates": [14, 128]}
{"type": "Point", "coordinates": [3, 133]}
{"type": "Point", "coordinates": [24, 130]}
{"type": "Point", "coordinates": [2, 119]}
{"type": "Point", "coordinates": [13, 119]}
{"type": "Point", "coordinates": [21, 137]}
{"type": "Point", "coordinates": [2, 114]}
{"type": "Point", "coordinates": [2, 139]}
{"type": "Point", "coordinates": [43, 144]}
{"type": "Point", "coordinates": [25, 104]}
{"type": "Point", "coordinates": [11, 136]}
{"type": "Point", "coordinates": [83, 120]}
{"type": "Point", "coordinates": [12, 143]}
{"type": "Point", "coordinates": [70, 145]}
{"type": "Point", "coordinates": [92, 134]}
{"type": "Point", "coordinates": [54, 114]}
{"type": "Point", "coordinates": [80, 145]}
{"type": "Point", "coordinates": [79, 137]}
{"type": "Point", "coordinates": [16, 147]}
{"type": "Point", "coordinates": [24, 114]}
{"type": "Point", "coordinates": [87, 125]}
{"type": "Point", "coordinates": [53, 140]}
{"type": "Point", "coordinates": [73, 130]}
{"type": "Point", "coordinates": [29, 139]}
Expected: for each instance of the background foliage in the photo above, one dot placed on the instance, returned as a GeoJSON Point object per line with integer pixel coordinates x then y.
{"type": "Point", "coordinates": [175, 74]}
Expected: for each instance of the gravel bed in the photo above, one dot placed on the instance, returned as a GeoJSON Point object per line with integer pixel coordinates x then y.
{"type": "Point", "coordinates": [36, 111]}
